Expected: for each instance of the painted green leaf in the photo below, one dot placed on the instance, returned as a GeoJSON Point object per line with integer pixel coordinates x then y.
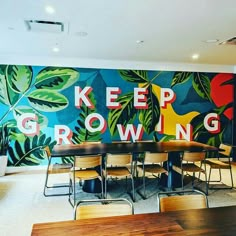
{"type": "Point", "coordinates": [135, 76]}
{"type": "Point", "coordinates": [222, 109]}
{"type": "Point", "coordinates": [156, 136]}
{"type": "Point", "coordinates": [7, 95]}
{"type": "Point", "coordinates": [19, 78]}
{"type": "Point", "coordinates": [201, 134]}
{"type": "Point", "coordinates": [202, 85]}
{"type": "Point", "coordinates": [149, 117]}
{"type": "Point", "coordinates": [124, 115]}
{"type": "Point", "coordinates": [13, 96]}
{"type": "Point", "coordinates": [20, 137]}
{"type": "Point", "coordinates": [180, 77]}
{"type": "Point", "coordinates": [167, 138]}
{"type": "Point", "coordinates": [11, 123]}
{"type": "Point", "coordinates": [47, 100]}
{"type": "Point", "coordinates": [56, 78]}
{"type": "Point", "coordinates": [82, 134]}
{"type": "Point", "coordinates": [3, 88]}
{"type": "Point", "coordinates": [29, 152]}
{"type": "Point", "coordinates": [42, 120]}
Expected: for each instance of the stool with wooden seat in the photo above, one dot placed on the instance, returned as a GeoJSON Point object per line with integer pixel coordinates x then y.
{"type": "Point", "coordinates": [222, 162]}
{"type": "Point", "coordinates": [139, 157]}
{"type": "Point", "coordinates": [189, 164]}
{"type": "Point", "coordinates": [85, 169]}
{"type": "Point", "coordinates": [119, 166]}
{"type": "Point", "coordinates": [152, 165]}
{"type": "Point", "coordinates": [56, 168]}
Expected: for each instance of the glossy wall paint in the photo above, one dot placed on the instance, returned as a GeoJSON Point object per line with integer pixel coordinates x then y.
{"type": "Point", "coordinates": [169, 104]}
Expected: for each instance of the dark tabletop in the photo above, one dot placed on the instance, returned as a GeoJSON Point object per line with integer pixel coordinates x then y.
{"type": "Point", "coordinates": [103, 148]}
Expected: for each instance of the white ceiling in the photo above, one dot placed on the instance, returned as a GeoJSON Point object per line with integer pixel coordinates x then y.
{"type": "Point", "coordinates": [107, 31]}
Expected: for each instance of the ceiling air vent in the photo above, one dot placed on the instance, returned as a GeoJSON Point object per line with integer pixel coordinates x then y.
{"type": "Point", "coordinates": [45, 26]}
{"type": "Point", "coordinates": [231, 41]}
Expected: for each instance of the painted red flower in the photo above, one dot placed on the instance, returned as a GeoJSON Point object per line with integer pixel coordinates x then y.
{"type": "Point", "coordinates": [222, 93]}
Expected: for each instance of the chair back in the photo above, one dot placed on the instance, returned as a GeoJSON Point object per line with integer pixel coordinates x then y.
{"type": "Point", "coordinates": [144, 141]}
{"type": "Point", "coordinates": [121, 141]}
{"type": "Point", "coordinates": [194, 156]}
{"type": "Point", "coordinates": [155, 157]}
{"type": "Point", "coordinates": [97, 208]}
{"type": "Point", "coordinates": [190, 199]}
{"type": "Point", "coordinates": [91, 142]}
{"type": "Point", "coordinates": [226, 150]}
{"type": "Point", "coordinates": [118, 159]}
{"type": "Point", "coordinates": [178, 140]}
{"type": "Point", "coordinates": [88, 161]}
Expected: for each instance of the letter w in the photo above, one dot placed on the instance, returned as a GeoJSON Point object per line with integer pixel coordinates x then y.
{"type": "Point", "coordinates": [130, 130]}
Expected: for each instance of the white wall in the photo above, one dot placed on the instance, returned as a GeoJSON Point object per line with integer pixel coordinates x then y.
{"type": "Point", "coordinates": [108, 64]}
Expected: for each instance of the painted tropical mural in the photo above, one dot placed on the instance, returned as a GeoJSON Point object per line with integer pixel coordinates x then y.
{"type": "Point", "coordinates": [156, 105]}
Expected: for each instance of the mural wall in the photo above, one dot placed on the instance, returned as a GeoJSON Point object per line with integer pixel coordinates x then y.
{"type": "Point", "coordinates": [48, 105]}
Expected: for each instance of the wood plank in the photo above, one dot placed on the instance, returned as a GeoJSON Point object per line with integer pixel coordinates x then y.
{"type": "Point", "coordinates": [209, 221]}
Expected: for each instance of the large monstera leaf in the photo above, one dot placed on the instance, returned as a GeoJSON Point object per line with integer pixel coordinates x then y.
{"type": "Point", "coordinates": [123, 115]}
{"type": "Point", "coordinates": [200, 82]}
{"type": "Point", "coordinates": [56, 78]}
{"type": "Point", "coordinates": [29, 152]}
{"type": "Point", "coordinates": [150, 117]}
{"type": "Point", "coordinates": [47, 100]}
{"type": "Point", "coordinates": [82, 134]}
{"type": "Point", "coordinates": [134, 76]}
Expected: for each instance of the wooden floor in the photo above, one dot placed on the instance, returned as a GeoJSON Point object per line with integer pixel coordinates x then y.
{"type": "Point", "coordinates": [22, 202]}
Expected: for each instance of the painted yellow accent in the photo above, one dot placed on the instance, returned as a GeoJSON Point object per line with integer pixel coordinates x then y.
{"type": "Point", "coordinates": [171, 118]}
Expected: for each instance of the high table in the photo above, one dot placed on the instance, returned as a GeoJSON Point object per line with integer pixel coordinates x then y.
{"type": "Point", "coordinates": [172, 147]}
{"type": "Point", "coordinates": [136, 148]}
{"type": "Point", "coordinates": [209, 221]}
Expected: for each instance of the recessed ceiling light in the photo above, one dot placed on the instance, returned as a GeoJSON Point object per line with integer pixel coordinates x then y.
{"type": "Point", "coordinates": [81, 33]}
{"type": "Point", "coordinates": [50, 9]}
{"type": "Point", "coordinates": [55, 49]}
{"type": "Point", "coordinates": [139, 41]}
{"type": "Point", "coordinates": [211, 41]}
{"type": "Point", "coordinates": [195, 56]}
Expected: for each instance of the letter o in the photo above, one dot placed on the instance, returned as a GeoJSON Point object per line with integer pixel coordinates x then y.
{"type": "Point", "coordinates": [91, 118]}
